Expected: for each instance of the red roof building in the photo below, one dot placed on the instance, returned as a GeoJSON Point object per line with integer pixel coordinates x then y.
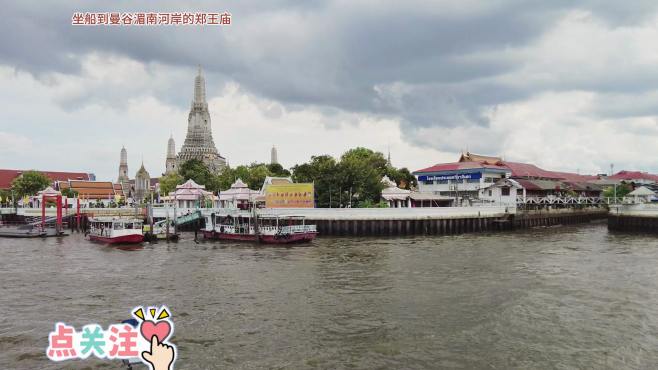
{"type": "Point", "coordinates": [635, 176]}
{"type": "Point", "coordinates": [7, 176]}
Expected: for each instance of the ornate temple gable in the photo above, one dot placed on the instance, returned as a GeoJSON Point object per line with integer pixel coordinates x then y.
{"type": "Point", "coordinates": [483, 159]}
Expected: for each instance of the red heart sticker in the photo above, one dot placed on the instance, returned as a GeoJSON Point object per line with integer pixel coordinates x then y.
{"type": "Point", "coordinates": [161, 330]}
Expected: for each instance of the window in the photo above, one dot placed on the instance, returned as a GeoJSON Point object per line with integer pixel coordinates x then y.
{"type": "Point", "coordinates": [490, 194]}
{"type": "Point", "coordinates": [428, 182]}
{"type": "Point", "coordinates": [442, 181]}
{"type": "Point", "coordinates": [489, 180]}
{"type": "Point", "coordinates": [472, 181]}
{"type": "Point", "coordinates": [505, 191]}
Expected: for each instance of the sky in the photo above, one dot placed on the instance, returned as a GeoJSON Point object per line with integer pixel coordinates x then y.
{"type": "Point", "coordinates": [569, 87]}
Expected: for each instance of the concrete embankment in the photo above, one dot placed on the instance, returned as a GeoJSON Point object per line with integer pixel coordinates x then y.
{"type": "Point", "coordinates": [634, 217]}
{"type": "Point", "coordinates": [406, 221]}
{"type": "Point", "coordinates": [439, 221]}
{"type": "Point", "coordinates": [558, 216]}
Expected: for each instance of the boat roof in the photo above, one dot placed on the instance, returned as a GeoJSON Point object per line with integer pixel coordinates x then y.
{"type": "Point", "coordinates": [114, 219]}
{"type": "Point", "coordinates": [281, 216]}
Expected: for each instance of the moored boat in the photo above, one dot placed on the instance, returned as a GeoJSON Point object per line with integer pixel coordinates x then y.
{"type": "Point", "coordinates": [115, 230]}
{"type": "Point", "coordinates": [269, 229]}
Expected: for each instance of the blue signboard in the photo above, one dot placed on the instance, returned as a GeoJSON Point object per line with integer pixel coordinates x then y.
{"type": "Point", "coordinates": [454, 176]}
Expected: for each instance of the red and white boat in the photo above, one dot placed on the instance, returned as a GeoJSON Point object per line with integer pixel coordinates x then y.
{"type": "Point", "coordinates": [270, 229]}
{"type": "Point", "coordinates": [115, 230]}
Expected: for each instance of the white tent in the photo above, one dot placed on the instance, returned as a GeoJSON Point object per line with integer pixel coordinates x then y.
{"type": "Point", "coordinates": [642, 194]}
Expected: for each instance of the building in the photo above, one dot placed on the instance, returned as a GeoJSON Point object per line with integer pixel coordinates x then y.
{"type": "Point", "coordinates": [8, 176]}
{"type": "Point", "coordinates": [123, 168]}
{"type": "Point", "coordinates": [462, 182]}
{"type": "Point", "coordinates": [142, 184]}
{"type": "Point", "coordinates": [191, 195]}
{"type": "Point", "coordinates": [636, 177]}
{"type": "Point", "coordinates": [396, 197]}
{"type": "Point", "coordinates": [199, 142]}
{"type": "Point", "coordinates": [92, 191]}
{"type": "Point", "coordinates": [274, 156]}
{"type": "Point", "coordinates": [478, 178]}
{"type": "Point", "coordinates": [238, 196]}
{"type": "Point", "coordinates": [170, 162]}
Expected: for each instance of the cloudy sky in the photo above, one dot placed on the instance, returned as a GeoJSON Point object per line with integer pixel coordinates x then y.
{"type": "Point", "coordinates": [568, 87]}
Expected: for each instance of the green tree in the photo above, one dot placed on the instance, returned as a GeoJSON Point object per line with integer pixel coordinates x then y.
{"type": "Point", "coordinates": [277, 170]}
{"type": "Point", "coordinates": [402, 177]}
{"type": "Point", "coordinates": [197, 171]}
{"type": "Point", "coordinates": [29, 183]}
{"type": "Point", "coordinates": [253, 175]}
{"type": "Point", "coordinates": [622, 190]}
{"type": "Point", "coordinates": [168, 183]}
{"type": "Point", "coordinates": [257, 174]}
{"type": "Point", "coordinates": [323, 171]}
{"type": "Point", "coordinates": [226, 178]}
{"type": "Point", "coordinates": [361, 170]}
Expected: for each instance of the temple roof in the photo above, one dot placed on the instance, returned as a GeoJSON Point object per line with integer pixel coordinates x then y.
{"type": "Point", "coordinates": [641, 191]}
{"type": "Point", "coordinates": [484, 159]}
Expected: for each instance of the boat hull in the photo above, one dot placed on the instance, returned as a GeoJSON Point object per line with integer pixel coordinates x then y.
{"type": "Point", "coordinates": [123, 239]}
{"type": "Point", "coordinates": [267, 239]}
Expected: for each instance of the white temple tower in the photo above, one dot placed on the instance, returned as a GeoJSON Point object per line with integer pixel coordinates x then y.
{"type": "Point", "coordinates": [123, 167]}
{"type": "Point", "coordinates": [199, 143]}
{"type": "Point", "coordinates": [170, 163]}
{"type": "Point", "coordinates": [274, 158]}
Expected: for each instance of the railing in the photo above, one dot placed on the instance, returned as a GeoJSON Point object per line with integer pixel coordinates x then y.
{"type": "Point", "coordinates": [551, 200]}
{"type": "Point", "coordinates": [294, 229]}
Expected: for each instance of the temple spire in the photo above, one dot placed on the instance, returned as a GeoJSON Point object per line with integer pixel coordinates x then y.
{"type": "Point", "coordinates": [199, 88]}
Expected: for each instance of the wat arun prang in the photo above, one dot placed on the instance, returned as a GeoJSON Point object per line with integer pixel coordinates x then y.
{"type": "Point", "coordinates": [198, 142]}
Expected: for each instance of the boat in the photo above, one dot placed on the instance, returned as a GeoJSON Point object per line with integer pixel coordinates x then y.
{"type": "Point", "coordinates": [269, 229]}
{"type": "Point", "coordinates": [115, 230]}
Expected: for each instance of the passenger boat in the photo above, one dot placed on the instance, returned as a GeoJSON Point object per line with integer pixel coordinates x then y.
{"type": "Point", "coordinates": [269, 229]}
{"type": "Point", "coordinates": [115, 230]}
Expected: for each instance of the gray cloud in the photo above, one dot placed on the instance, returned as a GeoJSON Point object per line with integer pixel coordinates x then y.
{"type": "Point", "coordinates": [428, 64]}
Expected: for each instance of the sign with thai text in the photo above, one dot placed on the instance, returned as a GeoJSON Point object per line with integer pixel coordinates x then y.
{"type": "Point", "coordinates": [289, 196]}
{"type": "Point", "coordinates": [454, 176]}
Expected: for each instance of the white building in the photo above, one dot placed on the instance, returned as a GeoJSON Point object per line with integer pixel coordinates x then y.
{"type": "Point", "coordinates": [461, 181]}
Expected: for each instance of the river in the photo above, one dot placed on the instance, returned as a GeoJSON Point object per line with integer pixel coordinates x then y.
{"type": "Point", "coordinates": [564, 297]}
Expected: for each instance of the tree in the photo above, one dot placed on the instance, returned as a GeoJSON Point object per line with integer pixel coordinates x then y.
{"type": "Point", "coordinates": [362, 171]}
{"type": "Point", "coordinates": [29, 183]}
{"type": "Point", "coordinates": [257, 174]}
{"type": "Point", "coordinates": [277, 170]}
{"type": "Point", "coordinates": [197, 171]}
{"type": "Point", "coordinates": [358, 174]}
{"type": "Point", "coordinates": [168, 183]}
{"type": "Point", "coordinates": [402, 177]}
{"type": "Point", "coordinates": [253, 175]}
{"type": "Point", "coordinates": [323, 171]}
{"type": "Point", "coordinates": [622, 190]}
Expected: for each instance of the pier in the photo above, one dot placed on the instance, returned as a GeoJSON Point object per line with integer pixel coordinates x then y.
{"type": "Point", "coordinates": [641, 217]}
{"type": "Point", "coordinates": [526, 213]}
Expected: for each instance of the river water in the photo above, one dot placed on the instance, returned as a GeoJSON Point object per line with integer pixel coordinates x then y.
{"type": "Point", "coordinates": [565, 297]}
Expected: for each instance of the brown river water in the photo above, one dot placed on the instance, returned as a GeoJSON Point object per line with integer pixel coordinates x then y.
{"type": "Point", "coordinates": [576, 297]}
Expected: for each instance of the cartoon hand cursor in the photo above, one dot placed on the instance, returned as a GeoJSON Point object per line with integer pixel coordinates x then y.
{"type": "Point", "coordinates": [161, 355]}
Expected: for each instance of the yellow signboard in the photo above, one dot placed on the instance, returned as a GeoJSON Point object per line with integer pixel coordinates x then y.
{"type": "Point", "coordinates": [289, 196]}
